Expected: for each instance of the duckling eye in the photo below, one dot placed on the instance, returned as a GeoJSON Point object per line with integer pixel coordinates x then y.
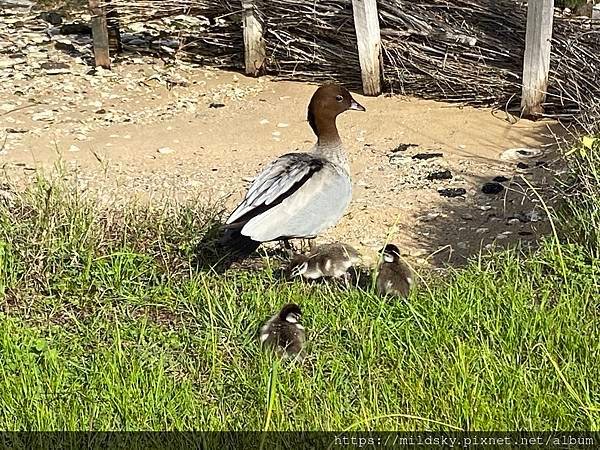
{"type": "Point", "coordinates": [339, 98]}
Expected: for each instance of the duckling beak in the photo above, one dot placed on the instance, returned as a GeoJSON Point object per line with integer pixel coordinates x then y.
{"type": "Point", "coordinates": [354, 105]}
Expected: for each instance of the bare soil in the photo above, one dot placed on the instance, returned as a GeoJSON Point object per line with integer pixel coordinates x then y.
{"type": "Point", "coordinates": [145, 131]}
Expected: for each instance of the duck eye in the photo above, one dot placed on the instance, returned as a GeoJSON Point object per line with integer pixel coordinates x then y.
{"type": "Point", "coordinates": [339, 98]}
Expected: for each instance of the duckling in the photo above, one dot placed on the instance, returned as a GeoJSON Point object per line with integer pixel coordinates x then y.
{"type": "Point", "coordinates": [329, 260]}
{"type": "Point", "coordinates": [394, 277]}
{"type": "Point", "coordinates": [284, 333]}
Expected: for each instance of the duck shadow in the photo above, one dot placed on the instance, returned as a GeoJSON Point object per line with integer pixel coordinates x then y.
{"type": "Point", "coordinates": [209, 255]}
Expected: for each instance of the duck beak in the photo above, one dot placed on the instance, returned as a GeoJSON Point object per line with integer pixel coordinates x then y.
{"type": "Point", "coordinates": [356, 106]}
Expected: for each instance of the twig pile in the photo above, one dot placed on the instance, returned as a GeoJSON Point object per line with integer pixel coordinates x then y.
{"type": "Point", "coordinates": [203, 31]}
{"type": "Point", "coordinates": [467, 51]}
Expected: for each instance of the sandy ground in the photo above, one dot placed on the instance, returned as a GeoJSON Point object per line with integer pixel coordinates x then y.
{"type": "Point", "coordinates": [146, 131]}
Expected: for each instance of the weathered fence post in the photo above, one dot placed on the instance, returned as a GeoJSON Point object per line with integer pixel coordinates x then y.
{"type": "Point", "coordinates": [100, 34]}
{"type": "Point", "coordinates": [596, 12]}
{"type": "Point", "coordinates": [254, 43]}
{"type": "Point", "coordinates": [368, 37]}
{"type": "Point", "coordinates": [536, 63]}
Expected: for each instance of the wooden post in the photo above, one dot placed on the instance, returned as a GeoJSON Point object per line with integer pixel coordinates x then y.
{"type": "Point", "coordinates": [100, 34]}
{"type": "Point", "coordinates": [254, 43]}
{"type": "Point", "coordinates": [368, 37]}
{"type": "Point", "coordinates": [536, 64]}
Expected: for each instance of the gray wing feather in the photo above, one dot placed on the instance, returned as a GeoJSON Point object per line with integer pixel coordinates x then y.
{"type": "Point", "coordinates": [317, 205]}
{"type": "Point", "coordinates": [275, 180]}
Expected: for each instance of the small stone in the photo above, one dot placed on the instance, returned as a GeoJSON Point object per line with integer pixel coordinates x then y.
{"type": "Point", "coordinates": [402, 147]}
{"type": "Point", "coordinates": [50, 65]}
{"type": "Point", "coordinates": [398, 159]}
{"type": "Point", "coordinates": [264, 122]}
{"type": "Point", "coordinates": [74, 148]}
{"type": "Point", "coordinates": [37, 38]}
{"type": "Point", "coordinates": [485, 207]}
{"type": "Point", "coordinates": [64, 45]}
{"type": "Point", "coordinates": [282, 125]}
{"type": "Point", "coordinates": [43, 116]}
{"type": "Point", "coordinates": [440, 175]}
{"type": "Point", "coordinates": [515, 154]}
{"type": "Point", "coordinates": [423, 156]}
{"type": "Point", "coordinates": [513, 221]}
{"type": "Point", "coordinates": [276, 133]}
{"type": "Point", "coordinates": [216, 105]}
{"type": "Point", "coordinates": [504, 235]}
{"type": "Point", "coordinates": [452, 192]}
{"type": "Point", "coordinates": [462, 245]}
{"type": "Point", "coordinates": [492, 188]}
{"type": "Point", "coordinates": [76, 28]}
{"type": "Point", "coordinates": [530, 216]}
{"type": "Point", "coordinates": [429, 217]}
{"type": "Point", "coordinates": [482, 230]}
{"type": "Point", "coordinates": [52, 17]}
{"type": "Point", "coordinates": [7, 63]}
{"type": "Point", "coordinates": [462, 146]}
{"type": "Point", "coordinates": [57, 71]}
{"type": "Point", "coordinates": [165, 150]}
{"type": "Point", "coordinates": [466, 217]}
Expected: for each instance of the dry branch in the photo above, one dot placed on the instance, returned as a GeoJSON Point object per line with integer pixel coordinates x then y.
{"type": "Point", "coordinates": [467, 51]}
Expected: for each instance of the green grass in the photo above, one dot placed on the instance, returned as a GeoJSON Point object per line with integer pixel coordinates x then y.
{"type": "Point", "coordinates": [107, 323]}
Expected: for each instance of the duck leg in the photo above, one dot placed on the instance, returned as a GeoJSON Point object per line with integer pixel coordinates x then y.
{"type": "Point", "coordinates": [287, 247]}
{"type": "Point", "coordinates": [311, 242]}
{"type": "Point", "coordinates": [347, 279]}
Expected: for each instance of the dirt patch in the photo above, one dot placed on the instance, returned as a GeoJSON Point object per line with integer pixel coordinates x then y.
{"type": "Point", "coordinates": [147, 130]}
{"type": "Point", "coordinates": [129, 137]}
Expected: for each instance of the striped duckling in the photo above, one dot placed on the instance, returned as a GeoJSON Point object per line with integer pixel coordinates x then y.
{"type": "Point", "coordinates": [284, 333]}
{"type": "Point", "coordinates": [328, 260]}
{"type": "Point", "coordinates": [394, 277]}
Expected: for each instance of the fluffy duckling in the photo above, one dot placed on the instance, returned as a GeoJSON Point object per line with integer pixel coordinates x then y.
{"type": "Point", "coordinates": [394, 277]}
{"type": "Point", "coordinates": [284, 333]}
{"type": "Point", "coordinates": [329, 260]}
